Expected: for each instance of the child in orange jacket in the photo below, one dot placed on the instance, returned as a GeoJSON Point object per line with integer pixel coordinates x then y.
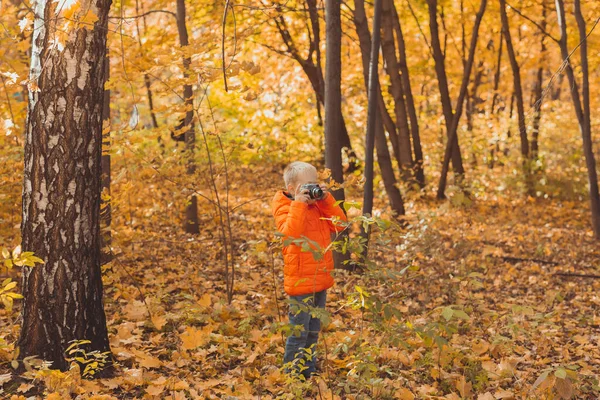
{"type": "Point", "coordinates": [306, 280]}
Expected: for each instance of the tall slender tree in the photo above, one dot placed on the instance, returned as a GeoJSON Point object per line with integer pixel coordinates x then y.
{"type": "Point", "coordinates": [410, 101]}
{"type": "Point", "coordinates": [396, 89]}
{"type": "Point", "coordinates": [373, 89]}
{"type": "Point", "coordinates": [333, 103]}
{"type": "Point", "coordinates": [61, 191]}
{"type": "Point", "coordinates": [381, 146]}
{"type": "Point", "coordinates": [313, 68]}
{"type": "Point", "coordinates": [453, 127]}
{"type": "Point", "coordinates": [538, 90]}
{"type": "Point", "coordinates": [518, 88]}
{"type": "Point", "coordinates": [440, 70]}
{"type": "Point", "coordinates": [191, 223]}
{"type": "Point", "coordinates": [581, 102]}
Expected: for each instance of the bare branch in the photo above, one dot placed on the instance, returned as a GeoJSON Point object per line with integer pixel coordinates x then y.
{"type": "Point", "coordinates": [146, 13]}
{"type": "Point", "coordinates": [541, 29]}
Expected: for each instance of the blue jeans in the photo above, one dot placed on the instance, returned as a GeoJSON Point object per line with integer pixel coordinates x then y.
{"type": "Point", "coordinates": [306, 339]}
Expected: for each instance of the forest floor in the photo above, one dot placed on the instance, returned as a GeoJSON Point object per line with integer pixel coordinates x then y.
{"type": "Point", "coordinates": [472, 306]}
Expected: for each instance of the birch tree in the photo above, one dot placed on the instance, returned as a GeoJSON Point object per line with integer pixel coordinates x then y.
{"type": "Point", "coordinates": [61, 190]}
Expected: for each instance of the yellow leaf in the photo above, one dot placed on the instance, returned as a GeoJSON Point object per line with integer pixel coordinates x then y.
{"type": "Point", "coordinates": [54, 396]}
{"type": "Point", "coordinates": [88, 20]}
{"type": "Point", "coordinates": [181, 385]}
{"type": "Point", "coordinates": [155, 390]}
{"type": "Point", "coordinates": [69, 13]}
{"type": "Point", "coordinates": [193, 338]}
{"type": "Point", "coordinates": [205, 301]}
{"type": "Point", "coordinates": [159, 321]}
{"type": "Point", "coordinates": [136, 310]}
{"type": "Point", "coordinates": [404, 394]}
{"type": "Point", "coordinates": [146, 360]}
{"type": "Point", "coordinates": [480, 347]}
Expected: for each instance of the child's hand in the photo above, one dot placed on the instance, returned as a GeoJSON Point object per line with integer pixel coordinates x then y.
{"type": "Point", "coordinates": [301, 195]}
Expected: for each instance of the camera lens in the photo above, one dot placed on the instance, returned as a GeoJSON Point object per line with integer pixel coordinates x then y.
{"type": "Point", "coordinates": [316, 193]}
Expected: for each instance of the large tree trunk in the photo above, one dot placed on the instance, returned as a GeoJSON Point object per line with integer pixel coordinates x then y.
{"type": "Point", "coordinates": [453, 127]}
{"type": "Point", "coordinates": [383, 154]}
{"type": "Point", "coordinates": [582, 110]}
{"type": "Point", "coordinates": [440, 70]}
{"type": "Point", "coordinates": [61, 189]}
{"type": "Point", "coordinates": [191, 224]}
{"type": "Point", "coordinates": [410, 101]}
{"type": "Point", "coordinates": [517, 86]}
{"type": "Point", "coordinates": [105, 207]}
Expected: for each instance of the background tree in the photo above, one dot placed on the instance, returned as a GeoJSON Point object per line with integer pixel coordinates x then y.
{"type": "Point", "coordinates": [581, 101]}
{"type": "Point", "coordinates": [63, 299]}
{"type": "Point", "coordinates": [191, 224]}
{"type": "Point", "coordinates": [381, 145]}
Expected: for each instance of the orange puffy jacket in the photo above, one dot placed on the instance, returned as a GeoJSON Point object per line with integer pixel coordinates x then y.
{"type": "Point", "coordinates": [302, 273]}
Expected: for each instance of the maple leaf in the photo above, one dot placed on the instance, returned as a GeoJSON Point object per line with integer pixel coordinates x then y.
{"type": "Point", "coordinates": [193, 338]}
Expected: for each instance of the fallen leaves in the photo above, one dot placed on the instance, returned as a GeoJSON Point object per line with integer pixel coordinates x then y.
{"type": "Point", "coordinates": [193, 338]}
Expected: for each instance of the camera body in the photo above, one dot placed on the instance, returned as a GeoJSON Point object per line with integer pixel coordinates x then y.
{"type": "Point", "coordinates": [314, 191]}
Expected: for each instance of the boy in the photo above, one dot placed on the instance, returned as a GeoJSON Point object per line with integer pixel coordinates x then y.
{"type": "Point", "coordinates": [306, 280]}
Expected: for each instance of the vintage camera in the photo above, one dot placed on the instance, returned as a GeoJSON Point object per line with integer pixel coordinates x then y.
{"type": "Point", "coordinates": [314, 191]}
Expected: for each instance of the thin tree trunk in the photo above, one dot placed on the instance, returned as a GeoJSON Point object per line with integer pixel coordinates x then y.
{"type": "Point", "coordinates": [537, 92]}
{"type": "Point", "coordinates": [497, 75]}
{"type": "Point", "coordinates": [410, 101]}
{"type": "Point", "coordinates": [495, 148]}
{"type": "Point", "coordinates": [333, 103]}
{"type": "Point", "coordinates": [440, 71]}
{"type": "Point", "coordinates": [63, 298]}
{"type": "Point", "coordinates": [517, 87]}
{"type": "Point", "coordinates": [558, 87]}
{"type": "Point", "coordinates": [383, 154]}
{"type": "Point", "coordinates": [511, 110]}
{"type": "Point", "coordinates": [314, 71]}
{"type": "Point", "coordinates": [582, 109]}
{"type": "Point", "coordinates": [397, 91]}
{"type": "Point", "coordinates": [373, 89]}
{"type": "Point", "coordinates": [146, 76]}
{"type": "Point", "coordinates": [453, 128]}
{"type": "Point", "coordinates": [105, 207]}
{"type": "Point", "coordinates": [471, 106]}
{"type": "Point", "coordinates": [191, 224]}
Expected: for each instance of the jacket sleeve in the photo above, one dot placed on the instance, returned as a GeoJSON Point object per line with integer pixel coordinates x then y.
{"type": "Point", "coordinates": [329, 209]}
{"type": "Point", "coordinates": [289, 218]}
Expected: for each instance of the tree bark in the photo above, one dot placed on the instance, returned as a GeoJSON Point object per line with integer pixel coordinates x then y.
{"type": "Point", "coordinates": [517, 86]}
{"type": "Point", "coordinates": [63, 298]}
{"type": "Point", "coordinates": [440, 71]}
{"type": "Point", "coordinates": [383, 154]}
{"type": "Point", "coordinates": [410, 101]}
{"type": "Point", "coordinates": [191, 224]}
{"type": "Point", "coordinates": [105, 207]}
{"type": "Point", "coordinates": [582, 109]}
{"type": "Point", "coordinates": [453, 127]}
